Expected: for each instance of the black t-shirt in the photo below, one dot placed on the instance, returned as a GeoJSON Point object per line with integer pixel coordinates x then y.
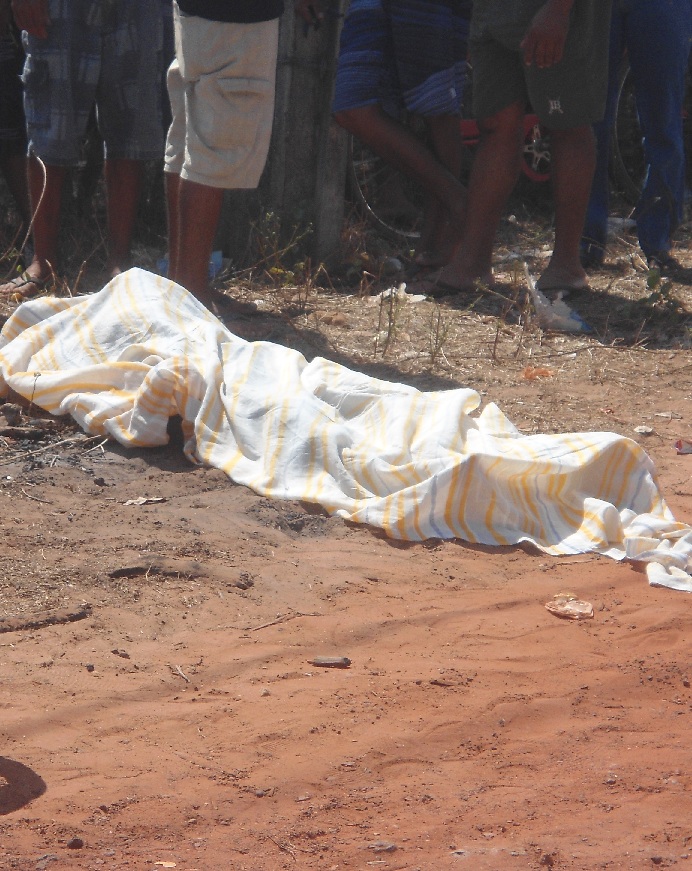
{"type": "Point", "coordinates": [237, 11]}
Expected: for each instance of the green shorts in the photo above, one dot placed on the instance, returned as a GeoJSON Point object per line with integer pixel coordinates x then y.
{"type": "Point", "coordinates": [569, 94]}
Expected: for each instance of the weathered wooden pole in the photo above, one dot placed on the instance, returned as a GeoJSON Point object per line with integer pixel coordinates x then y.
{"type": "Point", "coordinates": [304, 181]}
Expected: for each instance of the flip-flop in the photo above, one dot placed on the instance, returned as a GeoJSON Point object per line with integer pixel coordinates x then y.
{"type": "Point", "coordinates": [17, 287]}
{"type": "Point", "coordinates": [552, 290]}
{"type": "Point", "coordinates": [226, 305]}
{"type": "Point", "coordinates": [440, 287]}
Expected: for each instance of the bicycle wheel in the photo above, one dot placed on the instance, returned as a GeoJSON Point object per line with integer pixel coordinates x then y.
{"type": "Point", "coordinates": [627, 157]}
{"type": "Point", "coordinates": [387, 199]}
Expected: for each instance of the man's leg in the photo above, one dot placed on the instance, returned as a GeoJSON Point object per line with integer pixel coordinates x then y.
{"type": "Point", "coordinates": [441, 230]}
{"type": "Point", "coordinates": [658, 43]}
{"type": "Point", "coordinates": [496, 167]}
{"type": "Point", "coordinates": [196, 220]}
{"type": "Point", "coordinates": [172, 215]}
{"type": "Point", "coordinates": [123, 189]}
{"type": "Point", "coordinates": [45, 190]}
{"type": "Point", "coordinates": [405, 152]}
{"type": "Point", "coordinates": [595, 233]}
{"type": "Point", "coordinates": [14, 171]}
{"type": "Point", "coordinates": [572, 168]}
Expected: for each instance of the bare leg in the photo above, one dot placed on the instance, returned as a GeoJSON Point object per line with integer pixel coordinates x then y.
{"type": "Point", "coordinates": [199, 208]}
{"type": "Point", "coordinates": [441, 230]}
{"type": "Point", "coordinates": [123, 187]}
{"type": "Point", "coordinates": [173, 214]}
{"type": "Point", "coordinates": [45, 191]}
{"type": "Point", "coordinates": [404, 151]}
{"type": "Point", "coordinates": [15, 173]}
{"type": "Point", "coordinates": [496, 167]}
{"type": "Point", "coordinates": [572, 168]}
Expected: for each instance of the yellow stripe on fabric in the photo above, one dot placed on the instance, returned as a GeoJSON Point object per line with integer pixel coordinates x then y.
{"type": "Point", "coordinates": [627, 472]}
{"type": "Point", "coordinates": [48, 352]}
{"type": "Point", "coordinates": [593, 529]}
{"type": "Point", "coordinates": [569, 515]}
{"type": "Point", "coordinates": [605, 483]}
{"type": "Point", "coordinates": [454, 519]}
{"type": "Point", "coordinates": [134, 313]}
{"type": "Point", "coordinates": [313, 482]}
{"type": "Point", "coordinates": [492, 504]}
{"type": "Point", "coordinates": [399, 500]}
{"type": "Point", "coordinates": [232, 411]}
{"type": "Point", "coordinates": [210, 419]}
{"type": "Point", "coordinates": [277, 427]}
{"type": "Point", "coordinates": [415, 520]}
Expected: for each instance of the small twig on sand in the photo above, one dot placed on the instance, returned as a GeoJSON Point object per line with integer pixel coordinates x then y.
{"type": "Point", "coordinates": [282, 618]}
{"type": "Point", "coordinates": [96, 447]}
{"type": "Point", "coordinates": [35, 498]}
{"type": "Point", "coordinates": [283, 847]}
{"type": "Point", "coordinates": [23, 454]}
{"type": "Point", "coordinates": [176, 669]}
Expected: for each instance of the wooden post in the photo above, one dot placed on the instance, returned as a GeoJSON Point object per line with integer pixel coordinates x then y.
{"type": "Point", "coordinates": [304, 182]}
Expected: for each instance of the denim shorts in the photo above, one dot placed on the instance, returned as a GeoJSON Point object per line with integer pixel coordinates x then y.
{"type": "Point", "coordinates": [107, 53]}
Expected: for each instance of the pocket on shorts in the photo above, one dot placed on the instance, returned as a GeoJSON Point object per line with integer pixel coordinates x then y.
{"type": "Point", "coordinates": [37, 92]}
{"type": "Point", "coordinates": [244, 97]}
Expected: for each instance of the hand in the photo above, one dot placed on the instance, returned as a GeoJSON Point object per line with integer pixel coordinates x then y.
{"type": "Point", "coordinates": [32, 16]}
{"type": "Point", "coordinates": [310, 11]}
{"type": "Point", "coordinates": [544, 43]}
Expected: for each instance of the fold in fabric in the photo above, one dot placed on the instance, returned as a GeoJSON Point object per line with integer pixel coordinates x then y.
{"type": "Point", "coordinates": [417, 465]}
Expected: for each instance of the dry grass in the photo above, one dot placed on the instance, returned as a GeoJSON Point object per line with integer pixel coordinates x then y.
{"type": "Point", "coordinates": [489, 340]}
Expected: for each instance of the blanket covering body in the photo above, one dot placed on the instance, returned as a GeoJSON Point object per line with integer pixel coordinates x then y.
{"type": "Point", "coordinates": [418, 465]}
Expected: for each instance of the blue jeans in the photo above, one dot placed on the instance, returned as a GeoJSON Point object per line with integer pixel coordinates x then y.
{"type": "Point", "coordinates": [657, 38]}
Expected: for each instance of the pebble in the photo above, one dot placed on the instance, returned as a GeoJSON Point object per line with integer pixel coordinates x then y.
{"type": "Point", "coordinates": [331, 661]}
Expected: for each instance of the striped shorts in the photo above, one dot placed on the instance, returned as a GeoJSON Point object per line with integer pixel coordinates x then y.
{"type": "Point", "coordinates": [107, 53]}
{"type": "Point", "coordinates": [403, 54]}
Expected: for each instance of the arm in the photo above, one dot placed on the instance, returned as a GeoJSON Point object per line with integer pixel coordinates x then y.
{"type": "Point", "coordinates": [32, 16]}
{"type": "Point", "coordinates": [544, 42]}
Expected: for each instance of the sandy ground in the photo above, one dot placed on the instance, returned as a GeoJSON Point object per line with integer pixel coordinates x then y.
{"type": "Point", "coordinates": [181, 721]}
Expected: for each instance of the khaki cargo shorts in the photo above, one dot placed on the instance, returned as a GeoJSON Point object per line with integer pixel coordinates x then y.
{"type": "Point", "coordinates": [221, 86]}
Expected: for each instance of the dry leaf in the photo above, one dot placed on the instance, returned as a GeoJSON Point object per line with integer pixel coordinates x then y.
{"type": "Point", "coordinates": [145, 500]}
{"type": "Point", "coordinates": [531, 373]}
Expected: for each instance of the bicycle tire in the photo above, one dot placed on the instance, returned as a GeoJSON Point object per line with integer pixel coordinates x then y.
{"type": "Point", "coordinates": [368, 177]}
{"type": "Point", "coordinates": [392, 203]}
{"type": "Point", "coordinates": [627, 165]}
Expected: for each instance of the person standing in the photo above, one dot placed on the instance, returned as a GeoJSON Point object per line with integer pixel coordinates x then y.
{"type": "Point", "coordinates": [81, 53]}
{"type": "Point", "coordinates": [12, 123]}
{"type": "Point", "coordinates": [551, 54]}
{"type": "Point", "coordinates": [221, 87]}
{"type": "Point", "coordinates": [657, 39]}
{"type": "Point", "coordinates": [401, 56]}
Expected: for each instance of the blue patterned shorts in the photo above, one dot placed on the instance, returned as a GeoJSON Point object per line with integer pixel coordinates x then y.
{"type": "Point", "coordinates": [403, 54]}
{"type": "Point", "coordinates": [107, 53]}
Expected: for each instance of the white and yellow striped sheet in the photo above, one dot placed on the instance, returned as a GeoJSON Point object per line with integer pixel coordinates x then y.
{"type": "Point", "coordinates": [417, 465]}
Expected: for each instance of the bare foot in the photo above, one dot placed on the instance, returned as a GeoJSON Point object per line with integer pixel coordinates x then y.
{"type": "Point", "coordinates": [438, 245]}
{"type": "Point", "coordinates": [565, 280]}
